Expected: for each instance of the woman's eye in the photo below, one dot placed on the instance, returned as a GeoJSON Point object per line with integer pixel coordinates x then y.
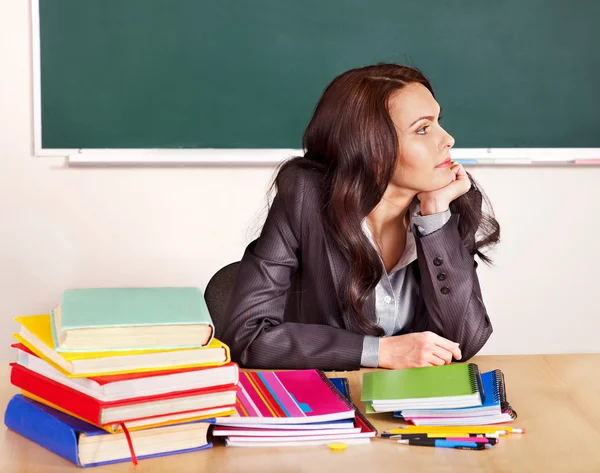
{"type": "Point", "coordinates": [423, 130]}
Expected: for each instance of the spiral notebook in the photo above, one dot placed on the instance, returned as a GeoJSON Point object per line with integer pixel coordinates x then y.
{"type": "Point", "coordinates": [450, 386]}
{"type": "Point", "coordinates": [495, 408]}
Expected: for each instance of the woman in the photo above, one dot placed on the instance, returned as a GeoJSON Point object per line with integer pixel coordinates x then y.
{"type": "Point", "coordinates": [367, 254]}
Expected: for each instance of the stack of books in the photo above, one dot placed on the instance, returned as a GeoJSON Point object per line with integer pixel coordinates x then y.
{"type": "Point", "coordinates": [445, 406]}
{"type": "Point", "coordinates": [119, 374]}
{"type": "Point", "coordinates": [494, 407]}
{"type": "Point", "coordinates": [456, 394]}
{"type": "Point", "coordinates": [293, 408]}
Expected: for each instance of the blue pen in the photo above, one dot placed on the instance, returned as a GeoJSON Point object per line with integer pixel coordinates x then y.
{"type": "Point", "coordinates": [446, 444]}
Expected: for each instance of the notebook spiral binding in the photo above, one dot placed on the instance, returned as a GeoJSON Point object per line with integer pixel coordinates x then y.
{"type": "Point", "coordinates": [500, 388]}
{"type": "Point", "coordinates": [476, 382]}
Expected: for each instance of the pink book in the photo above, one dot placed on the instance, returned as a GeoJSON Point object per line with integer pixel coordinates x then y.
{"type": "Point", "coordinates": [274, 438]}
{"type": "Point", "coordinates": [223, 431]}
{"type": "Point", "coordinates": [288, 397]}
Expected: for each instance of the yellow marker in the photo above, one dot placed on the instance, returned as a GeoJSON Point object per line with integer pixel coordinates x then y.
{"type": "Point", "coordinates": [337, 446]}
{"type": "Point", "coordinates": [480, 429]}
{"type": "Point", "coordinates": [392, 433]}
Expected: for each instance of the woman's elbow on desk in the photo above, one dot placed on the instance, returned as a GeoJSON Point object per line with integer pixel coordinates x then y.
{"type": "Point", "coordinates": [473, 343]}
{"type": "Point", "coordinates": [240, 353]}
{"type": "Point", "coordinates": [245, 343]}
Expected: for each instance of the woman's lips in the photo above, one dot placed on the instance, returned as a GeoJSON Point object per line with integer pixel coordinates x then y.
{"type": "Point", "coordinates": [446, 164]}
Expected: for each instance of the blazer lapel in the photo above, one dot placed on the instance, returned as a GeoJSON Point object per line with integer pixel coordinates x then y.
{"type": "Point", "coordinates": [339, 268]}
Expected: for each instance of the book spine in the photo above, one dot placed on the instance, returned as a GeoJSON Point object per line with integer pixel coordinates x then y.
{"type": "Point", "coordinates": [26, 419]}
{"type": "Point", "coordinates": [79, 404]}
{"type": "Point", "coordinates": [53, 329]}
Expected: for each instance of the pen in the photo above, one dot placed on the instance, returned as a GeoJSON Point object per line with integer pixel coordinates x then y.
{"type": "Point", "coordinates": [446, 444]}
{"type": "Point", "coordinates": [482, 440]}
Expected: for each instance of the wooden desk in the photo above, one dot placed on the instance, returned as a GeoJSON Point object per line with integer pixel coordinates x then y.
{"type": "Point", "coordinates": [557, 398]}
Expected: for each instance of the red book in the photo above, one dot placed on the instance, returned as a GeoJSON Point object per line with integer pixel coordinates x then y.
{"type": "Point", "coordinates": [130, 385]}
{"type": "Point", "coordinates": [102, 413]}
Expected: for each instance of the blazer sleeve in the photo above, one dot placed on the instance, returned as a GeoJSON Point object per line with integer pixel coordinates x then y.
{"type": "Point", "coordinates": [451, 303]}
{"type": "Point", "coordinates": [255, 329]}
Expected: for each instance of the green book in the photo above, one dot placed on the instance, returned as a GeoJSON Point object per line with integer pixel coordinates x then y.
{"type": "Point", "coordinates": [151, 318]}
{"type": "Point", "coordinates": [449, 386]}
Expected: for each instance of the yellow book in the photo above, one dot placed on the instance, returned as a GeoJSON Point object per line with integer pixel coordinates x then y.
{"type": "Point", "coordinates": [36, 334]}
{"type": "Point", "coordinates": [141, 424]}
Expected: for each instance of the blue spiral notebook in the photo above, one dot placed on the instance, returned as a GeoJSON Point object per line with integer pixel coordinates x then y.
{"type": "Point", "coordinates": [63, 434]}
{"type": "Point", "coordinates": [342, 385]}
{"type": "Point", "coordinates": [494, 402]}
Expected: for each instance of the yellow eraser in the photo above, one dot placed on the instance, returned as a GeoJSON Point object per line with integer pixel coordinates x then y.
{"type": "Point", "coordinates": [337, 446]}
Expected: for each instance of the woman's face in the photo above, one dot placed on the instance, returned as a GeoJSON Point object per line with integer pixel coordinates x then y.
{"type": "Point", "coordinates": [423, 145]}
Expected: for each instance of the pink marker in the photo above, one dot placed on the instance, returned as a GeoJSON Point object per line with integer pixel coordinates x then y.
{"type": "Point", "coordinates": [474, 439]}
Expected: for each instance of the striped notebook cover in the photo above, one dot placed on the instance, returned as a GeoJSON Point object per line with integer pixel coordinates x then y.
{"type": "Point", "coordinates": [288, 397]}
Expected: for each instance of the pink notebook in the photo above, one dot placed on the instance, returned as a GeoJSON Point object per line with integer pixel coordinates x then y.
{"type": "Point", "coordinates": [287, 397]}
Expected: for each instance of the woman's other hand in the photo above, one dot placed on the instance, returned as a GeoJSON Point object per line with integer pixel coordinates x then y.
{"type": "Point", "coordinates": [416, 350]}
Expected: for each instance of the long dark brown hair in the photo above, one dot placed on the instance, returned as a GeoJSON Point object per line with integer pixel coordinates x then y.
{"type": "Point", "coordinates": [352, 141]}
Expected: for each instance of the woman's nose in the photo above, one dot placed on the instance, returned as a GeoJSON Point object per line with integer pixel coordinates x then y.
{"type": "Point", "coordinates": [448, 141]}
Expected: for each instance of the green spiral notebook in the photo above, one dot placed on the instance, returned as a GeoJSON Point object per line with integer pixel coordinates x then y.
{"type": "Point", "coordinates": [450, 386]}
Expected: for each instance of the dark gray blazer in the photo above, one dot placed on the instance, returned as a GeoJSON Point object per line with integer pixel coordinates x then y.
{"type": "Point", "coordinates": [285, 310]}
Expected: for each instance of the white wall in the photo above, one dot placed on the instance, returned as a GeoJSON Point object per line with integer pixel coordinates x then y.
{"type": "Point", "coordinates": [62, 228]}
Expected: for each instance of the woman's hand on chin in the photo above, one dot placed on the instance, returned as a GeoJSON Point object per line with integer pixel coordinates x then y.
{"type": "Point", "coordinates": [437, 201]}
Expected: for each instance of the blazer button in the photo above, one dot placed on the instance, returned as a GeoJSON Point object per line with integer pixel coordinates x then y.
{"type": "Point", "coordinates": [438, 261]}
{"type": "Point", "coordinates": [445, 290]}
{"type": "Point", "coordinates": [441, 277]}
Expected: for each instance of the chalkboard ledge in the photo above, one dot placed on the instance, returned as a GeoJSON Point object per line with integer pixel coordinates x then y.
{"type": "Point", "coordinates": [253, 157]}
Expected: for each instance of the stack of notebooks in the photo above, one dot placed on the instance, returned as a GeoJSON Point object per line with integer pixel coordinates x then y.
{"type": "Point", "coordinates": [112, 374]}
{"type": "Point", "coordinates": [451, 395]}
{"type": "Point", "coordinates": [293, 408]}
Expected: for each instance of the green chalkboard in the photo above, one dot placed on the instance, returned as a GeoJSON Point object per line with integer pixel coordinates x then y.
{"type": "Point", "coordinates": [247, 74]}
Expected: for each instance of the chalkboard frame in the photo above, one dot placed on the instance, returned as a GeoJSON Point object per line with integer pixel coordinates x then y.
{"type": "Point", "coordinates": [240, 156]}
